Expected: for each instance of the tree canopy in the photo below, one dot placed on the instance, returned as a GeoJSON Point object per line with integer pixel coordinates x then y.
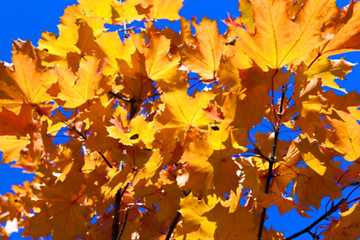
{"type": "Point", "coordinates": [140, 132]}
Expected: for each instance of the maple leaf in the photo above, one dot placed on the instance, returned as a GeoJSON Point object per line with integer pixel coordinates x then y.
{"type": "Point", "coordinates": [125, 11]}
{"type": "Point", "coordinates": [18, 125]}
{"type": "Point", "coordinates": [23, 83]}
{"type": "Point", "coordinates": [340, 30]}
{"type": "Point", "coordinates": [230, 67]}
{"type": "Point", "coordinates": [12, 146]}
{"type": "Point", "coordinates": [208, 161]}
{"type": "Point", "coordinates": [234, 225]}
{"type": "Point", "coordinates": [15, 132]}
{"type": "Point", "coordinates": [311, 187]}
{"type": "Point", "coordinates": [64, 213]}
{"type": "Point", "coordinates": [76, 39]}
{"type": "Point", "coordinates": [347, 226]}
{"type": "Point", "coordinates": [169, 163]}
{"type": "Point", "coordinates": [168, 200]}
{"type": "Point", "coordinates": [309, 103]}
{"type": "Point", "coordinates": [204, 57]}
{"type": "Point", "coordinates": [138, 132]}
{"type": "Point", "coordinates": [329, 70]}
{"type": "Point", "coordinates": [68, 35]}
{"type": "Point", "coordinates": [37, 226]}
{"type": "Point", "coordinates": [314, 157]}
{"type": "Point", "coordinates": [286, 170]}
{"type": "Point", "coordinates": [280, 38]}
{"type": "Point", "coordinates": [160, 9]}
{"type": "Point", "coordinates": [111, 44]}
{"type": "Point", "coordinates": [345, 140]}
{"type": "Point", "coordinates": [161, 67]}
{"type": "Point", "coordinates": [98, 8]}
{"type": "Point", "coordinates": [183, 113]}
{"type": "Point", "coordinates": [87, 84]}
{"type": "Point", "coordinates": [195, 223]}
{"type": "Point", "coordinates": [243, 111]}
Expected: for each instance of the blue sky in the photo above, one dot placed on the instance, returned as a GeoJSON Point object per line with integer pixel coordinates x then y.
{"type": "Point", "coordinates": [27, 19]}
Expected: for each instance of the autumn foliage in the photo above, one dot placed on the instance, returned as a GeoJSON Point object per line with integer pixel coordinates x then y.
{"type": "Point", "coordinates": [138, 132]}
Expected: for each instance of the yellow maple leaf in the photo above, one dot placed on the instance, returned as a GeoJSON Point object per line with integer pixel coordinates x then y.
{"type": "Point", "coordinates": [341, 30]}
{"type": "Point", "coordinates": [125, 12]}
{"type": "Point", "coordinates": [76, 39]}
{"type": "Point", "coordinates": [204, 57]}
{"type": "Point", "coordinates": [98, 8]}
{"type": "Point", "coordinates": [68, 35]}
{"type": "Point", "coordinates": [243, 111]}
{"type": "Point", "coordinates": [239, 224]}
{"type": "Point", "coordinates": [161, 67]}
{"type": "Point", "coordinates": [139, 131]}
{"type": "Point", "coordinates": [23, 82]}
{"type": "Point", "coordinates": [114, 48]}
{"type": "Point", "coordinates": [182, 113]}
{"type": "Point", "coordinates": [346, 137]}
{"type": "Point", "coordinates": [280, 38]}
{"type": "Point", "coordinates": [194, 223]}
{"type": "Point", "coordinates": [160, 9]}
{"type": "Point", "coordinates": [329, 70]}
{"type": "Point", "coordinates": [88, 83]}
{"type": "Point", "coordinates": [217, 169]}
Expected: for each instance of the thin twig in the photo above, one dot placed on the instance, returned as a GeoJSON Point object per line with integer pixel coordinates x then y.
{"type": "Point", "coordinates": [121, 97]}
{"type": "Point", "coordinates": [104, 158]}
{"type": "Point", "coordinates": [173, 225]}
{"type": "Point", "coordinates": [325, 215]}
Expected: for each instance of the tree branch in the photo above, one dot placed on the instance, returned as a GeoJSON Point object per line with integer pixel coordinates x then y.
{"type": "Point", "coordinates": [272, 160]}
{"type": "Point", "coordinates": [173, 225]}
{"type": "Point", "coordinates": [104, 158]}
{"type": "Point", "coordinates": [115, 235]}
{"type": "Point", "coordinates": [115, 226]}
{"type": "Point", "coordinates": [123, 225]}
{"type": "Point", "coordinates": [121, 97]}
{"type": "Point", "coordinates": [326, 214]}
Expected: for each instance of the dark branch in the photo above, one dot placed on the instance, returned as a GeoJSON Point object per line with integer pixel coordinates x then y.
{"type": "Point", "coordinates": [325, 215]}
{"type": "Point", "coordinates": [272, 160]}
{"type": "Point", "coordinates": [115, 226]}
{"type": "Point", "coordinates": [104, 158]}
{"type": "Point", "coordinates": [121, 97]}
{"type": "Point", "coordinates": [123, 192]}
{"type": "Point", "coordinates": [123, 225]}
{"type": "Point", "coordinates": [173, 225]}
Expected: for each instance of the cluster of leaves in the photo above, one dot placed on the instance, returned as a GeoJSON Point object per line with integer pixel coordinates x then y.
{"type": "Point", "coordinates": [149, 156]}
